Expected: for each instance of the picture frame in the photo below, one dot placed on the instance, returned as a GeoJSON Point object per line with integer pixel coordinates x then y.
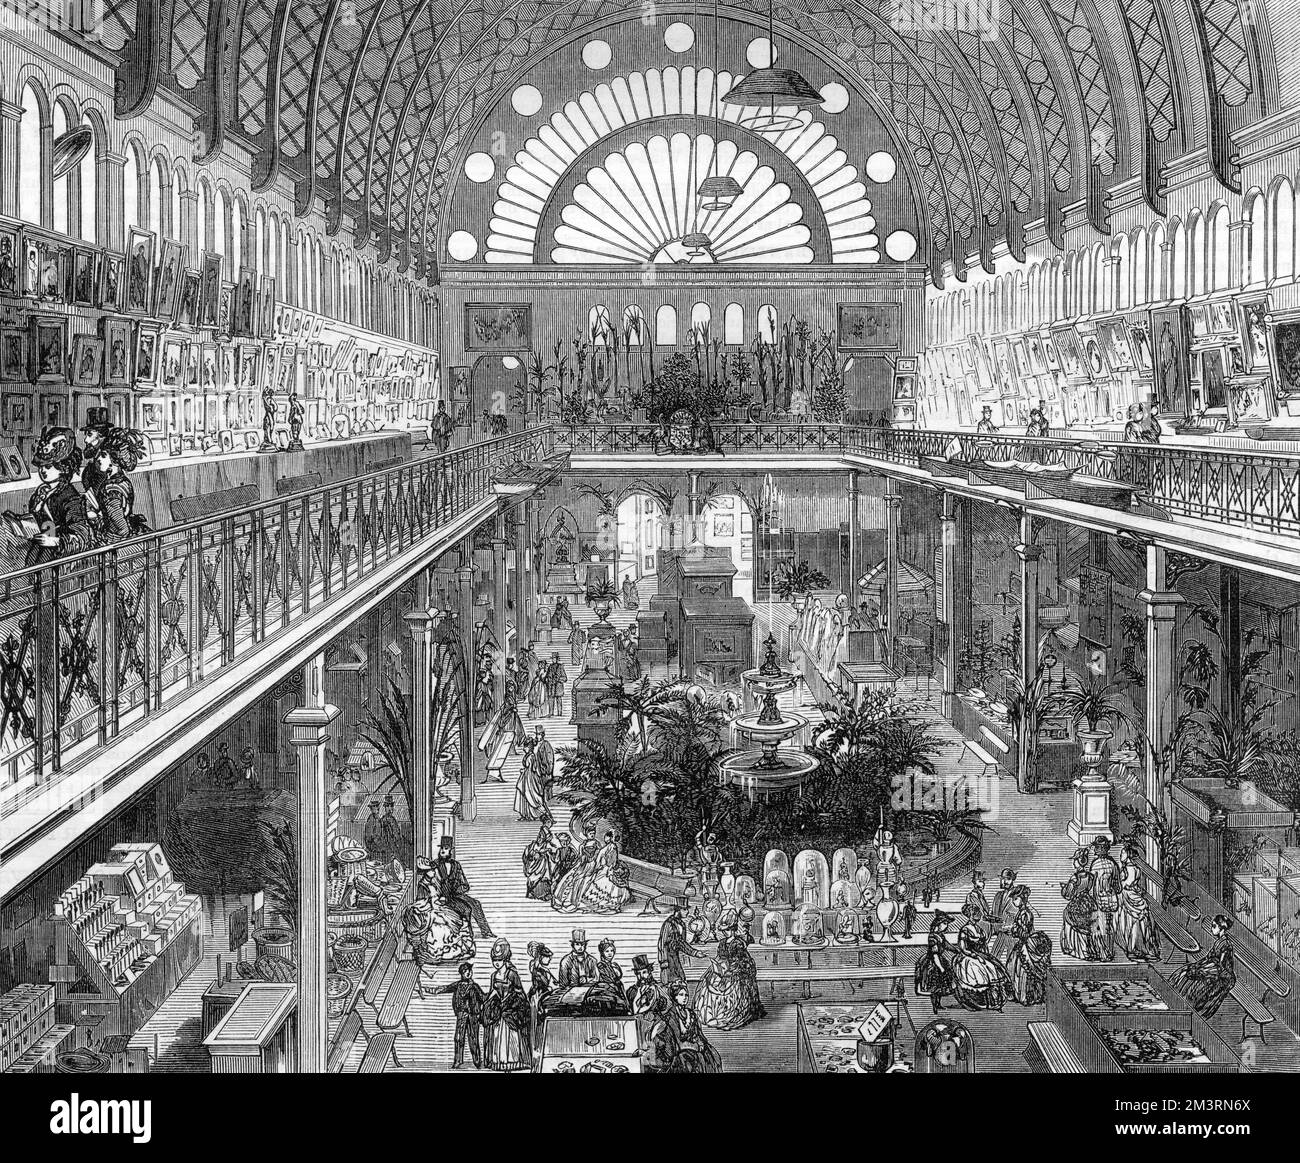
{"type": "Point", "coordinates": [13, 465]}
{"type": "Point", "coordinates": [226, 309]}
{"type": "Point", "coordinates": [48, 349]}
{"type": "Point", "coordinates": [226, 438]}
{"type": "Point", "coordinates": [498, 327]}
{"type": "Point", "coordinates": [118, 349]}
{"type": "Point", "coordinates": [317, 326]}
{"type": "Point", "coordinates": [170, 277]}
{"type": "Point", "coordinates": [271, 354]}
{"type": "Point", "coordinates": [31, 264]}
{"type": "Point", "coordinates": [55, 271]}
{"type": "Point", "coordinates": [11, 259]}
{"type": "Point", "coordinates": [1256, 334]}
{"type": "Point", "coordinates": [187, 310]}
{"type": "Point", "coordinates": [868, 326]}
{"type": "Point", "coordinates": [146, 355]}
{"type": "Point", "coordinates": [151, 415]}
{"type": "Point", "coordinates": [209, 304]}
{"type": "Point", "coordinates": [724, 526]}
{"type": "Point", "coordinates": [251, 441]}
{"type": "Point", "coordinates": [208, 370]}
{"type": "Point", "coordinates": [269, 323]}
{"type": "Point", "coordinates": [174, 444]}
{"type": "Point", "coordinates": [191, 365]}
{"type": "Point", "coordinates": [1223, 319]}
{"type": "Point", "coordinates": [87, 370]}
{"type": "Point", "coordinates": [112, 281]}
{"type": "Point", "coordinates": [1198, 315]}
{"type": "Point", "coordinates": [140, 279]}
{"type": "Point", "coordinates": [14, 364]}
{"type": "Point", "coordinates": [250, 367]}
{"type": "Point", "coordinates": [1113, 337]}
{"type": "Point", "coordinates": [245, 305]}
{"type": "Point", "coordinates": [226, 365]}
{"type": "Point", "coordinates": [173, 362]}
{"type": "Point", "coordinates": [83, 289]}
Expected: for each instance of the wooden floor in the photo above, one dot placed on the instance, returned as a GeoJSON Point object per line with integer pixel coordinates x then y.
{"type": "Point", "coordinates": [1029, 836]}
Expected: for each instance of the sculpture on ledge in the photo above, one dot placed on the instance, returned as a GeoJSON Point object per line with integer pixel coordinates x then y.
{"type": "Point", "coordinates": [296, 414]}
{"type": "Point", "coordinates": [268, 419]}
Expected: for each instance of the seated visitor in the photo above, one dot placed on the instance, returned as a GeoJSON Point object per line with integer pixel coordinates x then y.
{"type": "Point", "coordinates": [1208, 981]}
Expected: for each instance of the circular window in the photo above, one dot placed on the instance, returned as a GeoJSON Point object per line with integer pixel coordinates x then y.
{"type": "Point", "coordinates": [679, 37]}
{"type": "Point", "coordinates": [596, 54]}
{"type": "Point", "coordinates": [881, 166]}
{"type": "Point", "coordinates": [526, 100]}
{"type": "Point", "coordinates": [759, 53]}
{"type": "Point", "coordinates": [509, 362]}
{"type": "Point", "coordinates": [462, 245]}
{"type": "Point", "coordinates": [901, 245]}
{"type": "Point", "coordinates": [479, 167]}
{"type": "Point", "coordinates": [835, 97]}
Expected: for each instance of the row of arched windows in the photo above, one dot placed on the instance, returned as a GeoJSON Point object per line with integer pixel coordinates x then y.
{"type": "Point", "coordinates": [309, 271]}
{"type": "Point", "coordinates": [1172, 260]}
{"type": "Point", "coordinates": [634, 330]}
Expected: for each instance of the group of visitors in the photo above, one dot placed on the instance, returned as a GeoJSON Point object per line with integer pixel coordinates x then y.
{"type": "Point", "coordinates": [64, 520]}
{"type": "Point", "coordinates": [1107, 904]}
{"type": "Point", "coordinates": [976, 976]}
{"type": "Point", "coordinates": [587, 877]}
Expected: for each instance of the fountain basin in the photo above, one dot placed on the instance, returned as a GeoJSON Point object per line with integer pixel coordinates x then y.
{"type": "Point", "coordinates": [767, 774]}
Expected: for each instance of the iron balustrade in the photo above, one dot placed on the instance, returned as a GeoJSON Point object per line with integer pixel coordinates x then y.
{"type": "Point", "coordinates": [94, 643]}
{"type": "Point", "coordinates": [1255, 490]}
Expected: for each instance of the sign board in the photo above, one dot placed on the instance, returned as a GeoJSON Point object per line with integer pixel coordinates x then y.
{"type": "Point", "coordinates": [875, 1026]}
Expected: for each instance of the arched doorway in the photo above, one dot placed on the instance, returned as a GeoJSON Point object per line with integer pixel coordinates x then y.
{"type": "Point", "coordinates": [497, 387]}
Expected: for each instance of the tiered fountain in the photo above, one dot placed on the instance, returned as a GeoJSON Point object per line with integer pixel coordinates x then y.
{"type": "Point", "coordinates": [770, 770]}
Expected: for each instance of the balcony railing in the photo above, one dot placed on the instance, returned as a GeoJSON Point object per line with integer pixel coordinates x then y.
{"type": "Point", "coordinates": [93, 644]}
{"type": "Point", "coordinates": [1259, 491]}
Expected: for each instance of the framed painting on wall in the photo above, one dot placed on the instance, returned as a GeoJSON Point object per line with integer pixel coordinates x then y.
{"type": "Point", "coordinates": [112, 281]}
{"type": "Point", "coordinates": [85, 286]}
{"type": "Point", "coordinates": [171, 273]}
{"type": "Point", "coordinates": [173, 365]}
{"type": "Point", "coordinates": [868, 326]}
{"type": "Point", "coordinates": [87, 361]}
{"type": "Point", "coordinates": [1170, 374]}
{"type": "Point", "coordinates": [48, 349]}
{"type": "Point", "coordinates": [187, 313]}
{"type": "Point", "coordinates": [116, 334]}
{"type": "Point", "coordinates": [11, 249]}
{"type": "Point", "coordinates": [498, 326]}
{"type": "Point", "coordinates": [13, 355]}
{"type": "Point", "coordinates": [209, 311]}
{"type": "Point", "coordinates": [1255, 333]}
{"type": "Point", "coordinates": [146, 355]}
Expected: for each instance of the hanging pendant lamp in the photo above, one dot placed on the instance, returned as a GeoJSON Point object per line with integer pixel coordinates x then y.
{"type": "Point", "coordinates": [717, 191]}
{"type": "Point", "coordinates": [779, 90]}
{"type": "Point", "coordinates": [697, 244]}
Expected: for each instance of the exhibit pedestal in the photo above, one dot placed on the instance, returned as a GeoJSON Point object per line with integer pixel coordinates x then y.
{"type": "Point", "coordinates": [1091, 811]}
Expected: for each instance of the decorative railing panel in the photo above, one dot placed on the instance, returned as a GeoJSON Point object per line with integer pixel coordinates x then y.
{"type": "Point", "coordinates": [94, 643]}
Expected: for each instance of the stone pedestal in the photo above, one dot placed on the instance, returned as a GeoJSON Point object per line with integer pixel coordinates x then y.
{"type": "Point", "coordinates": [1091, 811]}
{"type": "Point", "coordinates": [596, 724]}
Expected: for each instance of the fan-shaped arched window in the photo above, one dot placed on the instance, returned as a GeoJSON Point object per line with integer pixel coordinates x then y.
{"type": "Point", "coordinates": [633, 326]}
{"type": "Point", "coordinates": [30, 163]}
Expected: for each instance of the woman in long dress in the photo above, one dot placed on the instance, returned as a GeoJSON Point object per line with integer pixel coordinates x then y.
{"type": "Point", "coordinates": [1031, 951]}
{"type": "Point", "coordinates": [607, 890]}
{"type": "Point", "coordinates": [933, 973]}
{"type": "Point", "coordinates": [539, 862]}
{"type": "Point", "coordinates": [680, 1046]}
{"type": "Point", "coordinates": [1078, 932]}
{"type": "Point", "coordinates": [110, 496]}
{"type": "Point", "coordinates": [728, 994]}
{"type": "Point", "coordinates": [1205, 983]}
{"type": "Point", "coordinates": [507, 1015]}
{"type": "Point", "coordinates": [1135, 928]}
{"type": "Point", "coordinates": [567, 892]}
{"type": "Point", "coordinates": [537, 693]}
{"type": "Point", "coordinates": [530, 800]}
{"type": "Point", "coordinates": [435, 935]}
{"type": "Point", "coordinates": [541, 984]}
{"type": "Point", "coordinates": [978, 981]}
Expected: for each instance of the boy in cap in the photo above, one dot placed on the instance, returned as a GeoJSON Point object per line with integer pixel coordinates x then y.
{"type": "Point", "coordinates": [467, 1004]}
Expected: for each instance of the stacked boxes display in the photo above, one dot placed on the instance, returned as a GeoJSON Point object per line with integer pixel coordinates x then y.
{"type": "Point", "coordinates": [39, 1058]}
{"type": "Point", "coordinates": [26, 1016]}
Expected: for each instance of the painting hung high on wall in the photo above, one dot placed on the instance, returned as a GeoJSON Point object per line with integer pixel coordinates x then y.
{"type": "Point", "coordinates": [13, 355]}
{"type": "Point", "coordinates": [116, 334]}
{"type": "Point", "coordinates": [498, 326]}
{"type": "Point", "coordinates": [869, 326]}
{"type": "Point", "coordinates": [1170, 374]}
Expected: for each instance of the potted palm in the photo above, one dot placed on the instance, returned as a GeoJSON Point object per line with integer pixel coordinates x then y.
{"type": "Point", "coordinates": [796, 581]}
{"type": "Point", "coordinates": [1094, 710]}
{"type": "Point", "coordinates": [602, 596]}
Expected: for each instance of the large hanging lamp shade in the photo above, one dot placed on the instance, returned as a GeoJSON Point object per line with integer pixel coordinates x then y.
{"type": "Point", "coordinates": [774, 93]}
{"type": "Point", "coordinates": [718, 192]}
{"type": "Point", "coordinates": [697, 243]}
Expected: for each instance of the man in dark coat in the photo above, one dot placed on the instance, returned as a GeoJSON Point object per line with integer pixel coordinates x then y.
{"type": "Point", "coordinates": [645, 995]}
{"type": "Point", "coordinates": [979, 902]}
{"type": "Point", "coordinates": [544, 761]}
{"type": "Point", "coordinates": [453, 888]}
{"type": "Point", "coordinates": [578, 967]}
{"type": "Point", "coordinates": [467, 1005]}
{"type": "Point", "coordinates": [443, 428]}
{"type": "Point", "coordinates": [672, 945]}
{"type": "Point", "coordinates": [556, 680]}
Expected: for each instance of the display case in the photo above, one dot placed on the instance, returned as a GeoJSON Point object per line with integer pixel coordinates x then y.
{"type": "Point", "coordinates": [258, 1035]}
{"type": "Point", "coordinates": [125, 936]}
{"type": "Point", "coordinates": [590, 1046]}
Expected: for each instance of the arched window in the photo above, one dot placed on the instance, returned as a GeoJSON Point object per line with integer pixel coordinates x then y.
{"type": "Point", "coordinates": [89, 185]}
{"type": "Point", "coordinates": [1254, 257]}
{"type": "Point", "coordinates": [598, 325]}
{"type": "Point", "coordinates": [131, 215]}
{"type": "Point", "coordinates": [1101, 279]}
{"type": "Point", "coordinates": [156, 193]}
{"type": "Point", "coordinates": [1141, 292]}
{"type": "Point", "coordinates": [1157, 287]}
{"type": "Point", "coordinates": [260, 256]}
{"type": "Point", "coordinates": [220, 229]}
{"type": "Point", "coordinates": [701, 317]}
{"type": "Point", "coordinates": [63, 186]}
{"type": "Point", "coordinates": [1283, 231]}
{"type": "Point", "coordinates": [767, 323]}
{"type": "Point", "coordinates": [1123, 274]}
{"type": "Point", "coordinates": [666, 326]}
{"type": "Point", "coordinates": [179, 190]}
{"type": "Point", "coordinates": [237, 259]}
{"type": "Point", "coordinates": [30, 165]}
{"type": "Point", "coordinates": [206, 216]}
{"type": "Point", "coordinates": [1217, 242]}
{"type": "Point", "coordinates": [1197, 272]}
{"type": "Point", "coordinates": [633, 326]}
{"type": "Point", "coordinates": [1178, 261]}
{"type": "Point", "coordinates": [733, 325]}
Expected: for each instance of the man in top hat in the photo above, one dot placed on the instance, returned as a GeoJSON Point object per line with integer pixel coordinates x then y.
{"type": "Point", "coordinates": [556, 678]}
{"type": "Point", "coordinates": [93, 432]}
{"type": "Point", "coordinates": [578, 967]}
{"type": "Point", "coordinates": [544, 762]}
{"type": "Point", "coordinates": [986, 420]}
{"type": "Point", "coordinates": [645, 995]}
{"type": "Point", "coordinates": [672, 945]}
{"type": "Point", "coordinates": [453, 888]}
{"type": "Point", "coordinates": [1004, 909]}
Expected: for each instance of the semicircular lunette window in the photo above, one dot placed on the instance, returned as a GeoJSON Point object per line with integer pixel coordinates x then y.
{"type": "Point", "coordinates": [611, 106]}
{"type": "Point", "coordinates": [634, 208]}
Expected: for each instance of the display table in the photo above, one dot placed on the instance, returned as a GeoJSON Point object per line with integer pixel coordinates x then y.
{"type": "Point", "coordinates": [589, 1046]}
{"type": "Point", "coordinates": [827, 1035]}
{"type": "Point", "coordinates": [259, 1033]}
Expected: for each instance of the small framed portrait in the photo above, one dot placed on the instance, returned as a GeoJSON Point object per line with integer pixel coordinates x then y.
{"type": "Point", "coordinates": [226, 362]}
{"type": "Point", "coordinates": [295, 325]}
{"type": "Point", "coordinates": [48, 348]}
{"type": "Point", "coordinates": [85, 284]}
{"type": "Point", "coordinates": [187, 313]}
{"type": "Point", "coordinates": [116, 334]}
{"type": "Point", "coordinates": [1255, 333]}
{"type": "Point", "coordinates": [1200, 317]}
{"type": "Point", "coordinates": [208, 367]}
{"type": "Point", "coordinates": [112, 281]}
{"type": "Point", "coordinates": [317, 326]}
{"type": "Point", "coordinates": [268, 325]}
{"type": "Point", "coordinates": [1221, 317]}
{"type": "Point", "coordinates": [226, 309]}
{"type": "Point", "coordinates": [13, 465]}
{"type": "Point", "coordinates": [174, 444]}
{"type": "Point", "coordinates": [87, 361]}
{"type": "Point", "coordinates": [192, 359]}
{"type": "Point", "coordinates": [724, 526]}
{"type": "Point", "coordinates": [905, 387]}
{"type": "Point", "coordinates": [146, 355]}
{"type": "Point", "coordinates": [209, 308]}
{"type": "Point", "coordinates": [271, 364]}
{"type": "Point", "coordinates": [279, 318]}
{"type": "Point", "coordinates": [139, 270]}
{"type": "Point", "coordinates": [226, 438]}
{"type": "Point", "coordinates": [251, 441]}
{"type": "Point", "coordinates": [56, 272]}
{"type": "Point", "coordinates": [173, 363]}
{"type": "Point", "coordinates": [250, 367]}
{"type": "Point", "coordinates": [11, 249]}
{"type": "Point", "coordinates": [13, 355]}
{"type": "Point", "coordinates": [246, 304]}
{"type": "Point", "coordinates": [31, 276]}
{"type": "Point", "coordinates": [151, 416]}
{"type": "Point", "coordinates": [18, 414]}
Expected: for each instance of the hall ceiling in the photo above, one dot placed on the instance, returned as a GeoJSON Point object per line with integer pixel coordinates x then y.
{"type": "Point", "coordinates": [370, 105]}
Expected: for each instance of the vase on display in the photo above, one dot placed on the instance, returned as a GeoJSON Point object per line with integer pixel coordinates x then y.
{"type": "Point", "coordinates": [727, 885]}
{"type": "Point", "coordinates": [1091, 814]}
{"type": "Point", "coordinates": [886, 913]}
